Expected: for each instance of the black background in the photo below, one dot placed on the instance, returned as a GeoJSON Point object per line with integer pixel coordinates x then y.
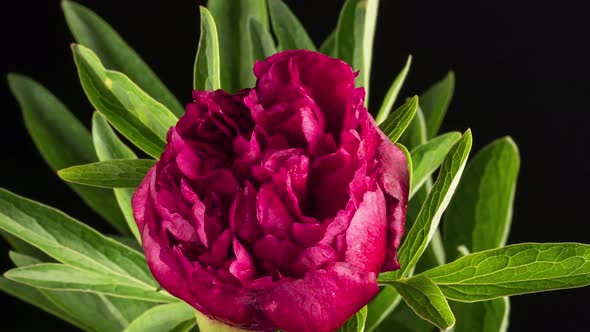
{"type": "Point", "coordinates": [522, 69]}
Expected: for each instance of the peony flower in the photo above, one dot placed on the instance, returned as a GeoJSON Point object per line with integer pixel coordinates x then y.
{"type": "Point", "coordinates": [276, 207]}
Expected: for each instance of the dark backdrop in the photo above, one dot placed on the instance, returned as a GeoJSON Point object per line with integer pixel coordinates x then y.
{"type": "Point", "coordinates": [521, 66]}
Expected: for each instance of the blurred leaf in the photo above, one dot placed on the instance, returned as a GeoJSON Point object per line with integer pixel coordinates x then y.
{"type": "Point", "coordinates": [143, 120]}
{"type": "Point", "coordinates": [263, 45]}
{"type": "Point", "coordinates": [69, 241]}
{"type": "Point", "coordinates": [206, 70]}
{"type": "Point", "coordinates": [93, 32]}
{"type": "Point", "coordinates": [116, 173]}
{"type": "Point", "coordinates": [404, 319]}
{"type": "Point", "coordinates": [164, 318]}
{"type": "Point", "coordinates": [426, 223]}
{"type": "Point", "coordinates": [354, 37]}
{"type": "Point", "coordinates": [290, 34]}
{"type": "Point", "coordinates": [236, 59]}
{"type": "Point", "coordinates": [435, 102]}
{"type": "Point", "coordinates": [392, 93]}
{"type": "Point", "coordinates": [486, 316]}
{"type": "Point", "coordinates": [207, 324]}
{"type": "Point", "coordinates": [415, 134]}
{"type": "Point", "coordinates": [427, 158]}
{"type": "Point", "coordinates": [513, 270]}
{"type": "Point", "coordinates": [63, 141]}
{"type": "Point", "coordinates": [61, 277]}
{"type": "Point", "coordinates": [479, 215]}
{"type": "Point", "coordinates": [108, 146]}
{"type": "Point", "coordinates": [381, 307]}
{"type": "Point", "coordinates": [397, 122]}
{"type": "Point", "coordinates": [328, 47]}
{"type": "Point", "coordinates": [409, 162]}
{"type": "Point", "coordinates": [356, 323]}
{"type": "Point", "coordinates": [427, 300]}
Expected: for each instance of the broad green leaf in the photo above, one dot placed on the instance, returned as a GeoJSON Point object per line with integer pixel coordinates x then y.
{"type": "Point", "coordinates": [263, 45]}
{"type": "Point", "coordinates": [328, 47]}
{"type": "Point", "coordinates": [435, 102]}
{"type": "Point", "coordinates": [69, 241]}
{"type": "Point", "coordinates": [354, 37]}
{"type": "Point", "coordinates": [381, 307]}
{"type": "Point", "coordinates": [356, 323]}
{"type": "Point", "coordinates": [513, 270]}
{"type": "Point", "coordinates": [427, 300]}
{"type": "Point", "coordinates": [427, 220]}
{"type": "Point", "coordinates": [33, 296]}
{"type": "Point", "coordinates": [290, 34]}
{"type": "Point", "coordinates": [393, 92]}
{"type": "Point", "coordinates": [163, 318]}
{"type": "Point", "coordinates": [96, 311]}
{"type": "Point", "coordinates": [427, 157]}
{"type": "Point", "coordinates": [63, 141]}
{"type": "Point", "coordinates": [404, 319]}
{"type": "Point", "coordinates": [206, 69]}
{"type": "Point", "coordinates": [236, 60]}
{"type": "Point", "coordinates": [397, 122]}
{"type": "Point", "coordinates": [108, 146]}
{"type": "Point", "coordinates": [486, 316]}
{"type": "Point", "coordinates": [93, 32]}
{"type": "Point", "coordinates": [61, 277]}
{"type": "Point", "coordinates": [480, 213]}
{"type": "Point", "coordinates": [139, 117]}
{"type": "Point", "coordinates": [116, 173]}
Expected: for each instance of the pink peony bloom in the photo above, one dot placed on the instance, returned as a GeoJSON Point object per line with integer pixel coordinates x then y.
{"type": "Point", "coordinates": [277, 207]}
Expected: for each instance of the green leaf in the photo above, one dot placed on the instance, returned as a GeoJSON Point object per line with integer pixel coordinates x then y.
{"type": "Point", "coordinates": [479, 215]}
{"type": "Point", "coordinates": [328, 47]}
{"type": "Point", "coordinates": [93, 32]}
{"type": "Point", "coordinates": [63, 141]}
{"type": "Point", "coordinates": [290, 34]}
{"type": "Point", "coordinates": [207, 324]}
{"type": "Point", "coordinates": [404, 319]}
{"type": "Point", "coordinates": [381, 307]}
{"type": "Point", "coordinates": [116, 173]}
{"type": "Point", "coordinates": [427, 157]}
{"type": "Point", "coordinates": [142, 119]}
{"type": "Point", "coordinates": [409, 162]}
{"type": "Point", "coordinates": [355, 323]}
{"type": "Point", "coordinates": [427, 300]}
{"type": "Point", "coordinates": [486, 316]}
{"type": "Point", "coordinates": [206, 69]}
{"type": "Point", "coordinates": [163, 318]}
{"type": "Point", "coordinates": [263, 45]}
{"type": "Point", "coordinates": [415, 134]}
{"type": "Point", "coordinates": [513, 270]}
{"type": "Point", "coordinates": [427, 220]}
{"type": "Point", "coordinates": [236, 59]}
{"type": "Point", "coordinates": [61, 277]}
{"type": "Point", "coordinates": [397, 122]}
{"type": "Point", "coordinates": [393, 92]}
{"type": "Point", "coordinates": [108, 146]}
{"type": "Point", "coordinates": [69, 241]}
{"type": "Point", "coordinates": [435, 102]}
{"type": "Point", "coordinates": [354, 37]}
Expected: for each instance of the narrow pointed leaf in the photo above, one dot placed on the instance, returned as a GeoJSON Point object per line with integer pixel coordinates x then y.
{"type": "Point", "coordinates": [290, 34]}
{"type": "Point", "coordinates": [263, 45]}
{"type": "Point", "coordinates": [61, 277]}
{"type": "Point", "coordinates": [63, 142]}
{"type": "Point", "coordinates": [108, 146]}
{"type": "Point", "coordinates": [397, 122]}
{"type": "Point", "coordinates": [206, 71]}
{"type": "Point", "coordinates": [415, 134]}
{"type": "Point", "coordinates": [513, 270]}
{"type": "Point", "coordinates": [116, 173]}
{"type": "Point", "coordinates": [427, 301]}
{"type": "Point", "coordinates": [328, 47]}
{"type": "Point", "coordinates": [436, 202]}
{"type": "Point", "coordinates": [142, 119]}
{"type": "Point", "coordinates": [393, 92]}
{"type": "Point", "coordinates": [380, 307]}
{"type": "Point", "coordinates": [356, 323]}
{"type": "Point", "coordinates": [486, 316]}
{"type": "Point", "coordinates": [354, 37]}
{"type": "Point", "coordinates": [427, 157]}
{"type": "Point", "coordinates": [435, 102]}
{"type": "Point", "coordinates": [163, 318]}
{"type": "Point", "coordinates": [69, 241]}
{"type": "Point", "coordinates": [93, 32]}
{"type": "Point", "coordinates": [480, 214]}
{"type": "Point", "coordinates": [409, 162]}
{"type": "Point", "coordinates": [236, 60]}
